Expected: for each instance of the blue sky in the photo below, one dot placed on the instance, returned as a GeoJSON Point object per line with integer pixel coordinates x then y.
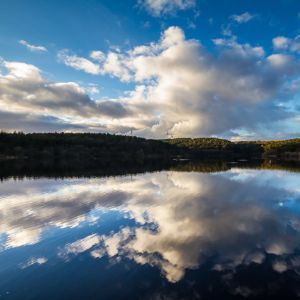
{"type": "Point", "coordinates": [160, 68]}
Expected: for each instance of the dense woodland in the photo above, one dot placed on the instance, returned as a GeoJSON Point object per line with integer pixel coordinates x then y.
{"type": "Point", "coordinates": [105, 148]}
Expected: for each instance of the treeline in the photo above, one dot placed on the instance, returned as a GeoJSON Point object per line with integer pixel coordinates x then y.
{"type": "Point", "coordinates": [88, 148]}
{"type": "Point", "coordinates": [284, 148]}
{"type": "Point", "coordinates": [255, 149]}
{"type": "Point", "coordinates": [214, 147]}
{"type": "Point", "coordinates": [82, 148]}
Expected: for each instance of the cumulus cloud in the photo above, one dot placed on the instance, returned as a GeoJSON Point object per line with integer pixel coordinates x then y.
{"type": "Point", "coordinates": [112, 64]}
{"type": "Point", "coordinates": [281, 42]}
{"type": "Point", "coordinates": [176, 78]}
{"type": "Point", "coordinates": [180, 88]}
{"type": "Point", "coordinates": [242, 18]}
{"type": "Point", "coordinates": [281, 61]}
{"type": "Point", "coordinates": [243, 49]}
{"type": "Point", "coordinates": [33, 48]}
{"type": "Point", "coordinates": [162, 7]}
{"type": "Point", "coordinates": [285, 43]}
{"type": "Point", "coordinates": [33, 100]}
{"type": "Point", "coordinates": [78, 63]}
{"type": "Point", "coordinates": [97, 55]}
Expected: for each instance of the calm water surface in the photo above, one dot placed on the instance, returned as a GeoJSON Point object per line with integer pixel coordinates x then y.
{"type": "Point", "coordinates": [162, 235]}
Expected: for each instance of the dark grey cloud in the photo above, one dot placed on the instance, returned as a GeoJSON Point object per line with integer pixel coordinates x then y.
{"type": "Point", "coordinates": [10, 121]}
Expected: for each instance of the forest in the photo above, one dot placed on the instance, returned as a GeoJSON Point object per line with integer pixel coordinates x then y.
{"type": "Point", "coordinates": [106, 148]}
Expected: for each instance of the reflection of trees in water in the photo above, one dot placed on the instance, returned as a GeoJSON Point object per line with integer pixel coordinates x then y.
{"type": "Point", "coordinates": [64, 169]}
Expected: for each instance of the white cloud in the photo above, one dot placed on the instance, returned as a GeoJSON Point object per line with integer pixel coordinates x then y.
{"type": "Point", "coordinates": [33, 48]}
{"type": "Point", "coordinates": [242, 18]}
{"type": "Point", "coordinates": [98, 253]}
{"type": "Point", "coordinates": [282, 61]}
{"type": "Point", "coordinates": [78, 63]}
{"type": "Point", "coordinates": [111, 64]}
{"type": "Point", "coordinates": [284, 43]}
{"type": "Point", "coordinates": [34, 261]}
{"type": "Point", "coordinates": [242, 49]}
{"type": "Point", "coordinates": [184, 77]}
{"type": "Point", "coordinates": [97, 55]}
{"type": "Point", "coordinates": [281, 42]}
{"type": "Point", "coordinates": [81, 245]}
{"type": "Point", "coordinates": [113, 243]}
{"type": "Point", "coordinates": [180, 88]}
{"type": "Point", "coordinates": [18, 238]}
{"type": "Point", "coordinates": [92, 89]}
{"type": "Point", "coordinates": [162, 7]}
{"type": "Point", "coordinates": [24, 92]}
{"type": "Point", "coordinates": [22, 71]}
{"type": "Point", "coordinates": [114, 66]}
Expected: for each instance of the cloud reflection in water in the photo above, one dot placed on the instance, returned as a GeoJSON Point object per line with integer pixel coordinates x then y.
{"type": "Point", "coordinates": [182, 219]}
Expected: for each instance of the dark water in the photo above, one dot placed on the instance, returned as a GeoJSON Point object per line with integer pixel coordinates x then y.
{"type": "Point", "coordinates": [229, 234]}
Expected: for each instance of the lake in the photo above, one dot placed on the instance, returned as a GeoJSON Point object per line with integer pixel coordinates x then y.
{"type": "Point", "coordinates": [182, 233]}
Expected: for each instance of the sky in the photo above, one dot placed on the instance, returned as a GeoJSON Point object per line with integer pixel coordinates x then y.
{"type": "Point", "coordinates": [151, 68]}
